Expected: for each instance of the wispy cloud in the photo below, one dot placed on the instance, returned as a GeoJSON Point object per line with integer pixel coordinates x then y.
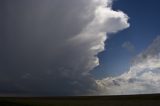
{"type": "Point", "coordinates": [129, 46]}
{"type": "Point", "coordinates": [142, 77]}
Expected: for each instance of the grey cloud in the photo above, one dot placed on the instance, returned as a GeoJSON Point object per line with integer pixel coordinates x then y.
{"type": "Point", "coordinates": [49, 46]}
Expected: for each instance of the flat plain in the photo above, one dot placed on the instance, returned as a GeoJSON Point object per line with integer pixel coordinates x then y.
{"type": "Point", "coordinates": [125, 100]}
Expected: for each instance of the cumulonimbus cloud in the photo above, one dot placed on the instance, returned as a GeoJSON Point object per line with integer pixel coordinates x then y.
{"type": "Point", "coordinates": [143, 76]}
{"type": "Point", "coordinates": [49, 46]}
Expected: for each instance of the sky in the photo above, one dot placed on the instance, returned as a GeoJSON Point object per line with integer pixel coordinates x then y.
{"type": "Point", "coordinates": [144, 27]}
{"type": "Point", "coordinates": [124, 51]}
{"type": "Point", "coordinates": [85, 47]}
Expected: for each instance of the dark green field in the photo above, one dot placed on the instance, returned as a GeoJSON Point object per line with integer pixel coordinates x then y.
{"type": "Point", "coordinates": [130, 100]}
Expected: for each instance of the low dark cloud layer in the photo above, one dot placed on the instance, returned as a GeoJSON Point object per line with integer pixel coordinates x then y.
{"type": "Point", "coordinates": [48, 47]}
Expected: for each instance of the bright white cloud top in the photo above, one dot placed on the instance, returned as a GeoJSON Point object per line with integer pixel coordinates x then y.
{"type": "Point", "coordinates": [92, 37]}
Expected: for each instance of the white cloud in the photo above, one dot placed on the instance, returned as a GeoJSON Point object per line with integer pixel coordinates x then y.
{"type": "Point", "coordinates": [94, 35]}
{"type": "Point", "coordinates": [142, 77]}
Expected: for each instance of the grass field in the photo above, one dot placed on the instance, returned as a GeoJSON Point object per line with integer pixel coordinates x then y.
{"type": "Point", "coordinates": [130, 100]}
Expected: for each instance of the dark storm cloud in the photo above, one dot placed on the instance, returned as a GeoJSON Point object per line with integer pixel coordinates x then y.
{"type": "Point", "coordinates": [44, 49]}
